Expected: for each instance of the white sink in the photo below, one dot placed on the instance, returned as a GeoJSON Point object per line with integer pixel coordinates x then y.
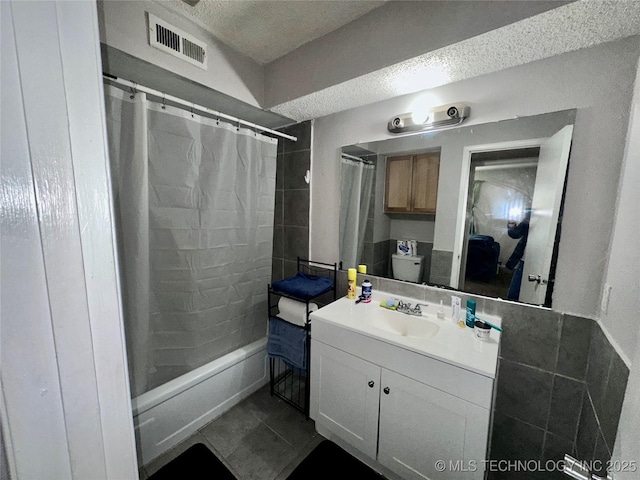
{"type": "Point", "coordinates": [401, 323]}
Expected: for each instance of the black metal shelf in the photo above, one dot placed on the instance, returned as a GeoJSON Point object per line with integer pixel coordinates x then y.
{"type": "Point", "coordinates": [287, 382]}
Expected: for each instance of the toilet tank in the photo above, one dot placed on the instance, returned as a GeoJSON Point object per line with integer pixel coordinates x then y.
{"type": "Point", "coordinates": [409, 268]}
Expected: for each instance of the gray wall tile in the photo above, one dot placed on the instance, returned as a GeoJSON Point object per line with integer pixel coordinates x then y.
{"type": "Point", "coordinates": [566, 400]}
{"type": "Point", "coordinates": [440, 266]}
{"type": "Point", "coordinates": [302, 131]}
{"type": "Point", "coordinates": [515, 440]}
{"type": "Point", "coordinates": [278, 241]}
{"type": "Point", "coordinates": [601, 455]}
{"type": "Point", "coordinates": [278, 216]}
{"type": "Point", "coordinates": [296, 165]}
{"type": "Point", "coordinates": [296, 242]}
{"type": "Point", "coordinates": [279, 171]}
{"type": "Point", "coordinates": [555, 448]}
{"type": "Point", "coordinates": [600, 355]}
{"type": "Point", "coordinates": [524, 393]}
{"type": "Point", "coordinates": [380, 251]}
{"type": "Point", "coordinates": [587, 431]}
{"type": "Point", "coordinates": [296, 208]}
{"type": "Point", "coordinates": [531, 337]}
{"type": "Point", "coordinates": [575, 340]}
{"type": "Point", "coordinates": [609, 416]}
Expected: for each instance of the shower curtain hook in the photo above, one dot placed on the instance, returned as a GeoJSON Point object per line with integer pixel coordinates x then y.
{"type": "Point", "coordinates": [164, 101]}
{"type": "Point", "coordinates": [134, 90]}
{"type": "Point", "coordinates": [238, 126]}
{"type": "Point", "coordinates": [193, 105]}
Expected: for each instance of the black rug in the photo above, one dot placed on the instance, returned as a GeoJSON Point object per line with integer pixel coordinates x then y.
{"type": "Point", "coordinates": [198, 462]}
{"type": "Point", "coordinates": [329, 461]}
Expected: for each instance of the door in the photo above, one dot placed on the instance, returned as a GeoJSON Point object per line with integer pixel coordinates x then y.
{"type": "Point", "coordinates": [345, 396]}
{"type": "Point", "coordinates": [421, 425]}
{"type": "Point", "coordinates": [545, 209]}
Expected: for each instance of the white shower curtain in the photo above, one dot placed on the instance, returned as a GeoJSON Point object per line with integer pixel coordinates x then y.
{"type": "Point", "coordinates": [356, 182]}
{"type": "Point", "coordinates": [196, 201]}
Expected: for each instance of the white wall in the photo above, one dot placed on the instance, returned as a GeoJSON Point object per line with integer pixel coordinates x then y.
{"type": "Point", "coordinates": [124, 23]}
{"type": "Point", "coordinates": [66, 406]}
{"type": "Point", "coordinates": [621, 319]}
{"type": "Point", "coordinates": [598, 81]}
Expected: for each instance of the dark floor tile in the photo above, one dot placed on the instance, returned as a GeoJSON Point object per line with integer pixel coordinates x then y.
{"type": "Point", "coordinates": [228, 431]}
{"type": "Point", "coordinates": [261, 455]}
{"type": "Point", "coordinates": [613, 398]}
{"type": "Point", "coordinates": [264, 405]}
{"type": "Point", "coordinates": [524, 393]}
{"type": "Point", "coordinates": [575, 340]}
{"type": "Point", "coordinates": [293, 426]}
{"type": "Point", "coordinates": [296, 208]}
{"type": "Point", "coordinates": [566, 400]}
{"type": "Point", "coordinates": [296, 165]}
{"type": "Point", "coordinates": [531, 336]}
{"type": "Point", "coordinates": [600, 355]}
{"type": "Point", "coordinates": [587, 431]}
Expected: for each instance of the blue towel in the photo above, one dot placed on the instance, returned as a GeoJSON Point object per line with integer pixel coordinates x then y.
{"type": "Point", "coordinates": [304, 286]}
{"type": "Point", "coordinates": [288, 342]}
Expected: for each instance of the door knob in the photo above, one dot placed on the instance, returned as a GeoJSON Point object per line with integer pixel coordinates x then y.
{"type": "Point", "coordinates": [386, 390]}
{"type": "Point", "coordinates": [371, 383]}
{"type": "Point", "coordinates": [538, 279]}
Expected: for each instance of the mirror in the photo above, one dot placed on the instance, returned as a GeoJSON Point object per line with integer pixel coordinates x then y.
{"type": "Point", "coordinates": [475, 208]}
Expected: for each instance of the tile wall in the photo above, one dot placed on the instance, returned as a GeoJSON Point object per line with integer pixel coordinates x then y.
{"type": "Point", "coordinates": [560, 384]}
{"type": "Point", "coordinates": [291, 219]}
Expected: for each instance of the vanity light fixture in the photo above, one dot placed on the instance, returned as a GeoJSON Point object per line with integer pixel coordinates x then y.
{"type": "Point", "coordinates": [438, 117]}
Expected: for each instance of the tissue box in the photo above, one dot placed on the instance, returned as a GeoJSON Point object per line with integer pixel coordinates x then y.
{"type": "Point", "coordinates": [403, 248]}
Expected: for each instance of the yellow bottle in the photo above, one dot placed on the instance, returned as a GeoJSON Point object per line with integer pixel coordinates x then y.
{"type": "Point", "coordinates": [351, 277]}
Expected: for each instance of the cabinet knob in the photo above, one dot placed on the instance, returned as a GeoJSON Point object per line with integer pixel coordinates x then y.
{"type": "Point", "coordinates": [386, 390]}
{"type": "Point", "coordinates": [371, 383]}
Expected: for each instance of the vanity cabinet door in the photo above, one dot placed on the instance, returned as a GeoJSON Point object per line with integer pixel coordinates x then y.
{"type": "Point", "coordinates": [345, 396]}
{"type": "Point", "coordinates": [420, 425]}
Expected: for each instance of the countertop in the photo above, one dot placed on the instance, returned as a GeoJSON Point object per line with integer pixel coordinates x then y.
{"type": "Point", "coordinates": [451, 343]}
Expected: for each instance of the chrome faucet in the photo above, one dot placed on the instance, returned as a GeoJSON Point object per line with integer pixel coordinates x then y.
{"type": "Point", "coordinates": [406, 308]}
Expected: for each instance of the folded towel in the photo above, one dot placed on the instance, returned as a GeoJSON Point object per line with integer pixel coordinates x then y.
{"type": "Point", "coordinates": [288, 342]}
{"type": "Point", "coordinates": [303, 285]}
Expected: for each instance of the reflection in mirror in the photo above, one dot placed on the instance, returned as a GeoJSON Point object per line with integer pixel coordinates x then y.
{"type": "Point", "coordinates": [496, 190]}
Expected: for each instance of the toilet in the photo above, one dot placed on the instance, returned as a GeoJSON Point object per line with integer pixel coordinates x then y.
{"type": "Point", "coordinates": [409, 268]}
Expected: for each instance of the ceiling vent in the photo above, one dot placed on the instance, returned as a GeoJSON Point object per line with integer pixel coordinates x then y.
{"type": "Point", "coordinates": [170, 39]}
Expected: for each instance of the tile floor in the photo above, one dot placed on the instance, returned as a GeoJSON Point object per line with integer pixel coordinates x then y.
{"type": "Point", "coordinates": [261, 438]}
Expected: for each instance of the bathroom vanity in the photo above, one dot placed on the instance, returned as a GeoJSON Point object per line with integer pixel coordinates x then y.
{"type": "Point", "coordinates": [405, 391]}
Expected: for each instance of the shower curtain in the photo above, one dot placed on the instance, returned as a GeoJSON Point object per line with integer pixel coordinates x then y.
{"type": "Point", "coordinates": [195, 202]}
{"type": "Point", "coordinates": [356, 182]}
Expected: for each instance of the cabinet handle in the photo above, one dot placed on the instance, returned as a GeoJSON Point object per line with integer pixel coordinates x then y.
{"type": "Point", "coordinates": [386, 390]}
{"type": "Point", "coordinates": [371, 383]}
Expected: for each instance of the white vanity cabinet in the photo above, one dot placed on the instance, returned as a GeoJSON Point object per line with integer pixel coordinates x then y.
{"type": "Point", "coordinates": [402, 409]}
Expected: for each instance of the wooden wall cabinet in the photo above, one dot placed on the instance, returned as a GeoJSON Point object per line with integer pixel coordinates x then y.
{"type": "Point", "coordinates": [411, 184]}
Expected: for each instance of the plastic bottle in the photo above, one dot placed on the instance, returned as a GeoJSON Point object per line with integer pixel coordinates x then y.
{"type": "Point", "coordinates": [440, 313]}
{"type": "Point", "coordinates": [362, 269]}
{"type": "Point", "coordinates": [471, 313]}
{"type": "Point", "coordinates": [351, 277]}
{"type": "Point", "coordinates": [366, 291]}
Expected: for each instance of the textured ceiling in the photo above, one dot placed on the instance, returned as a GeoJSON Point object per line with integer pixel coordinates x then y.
{"type": "Point", "coordinates": [567, 28]}
{"type": "Point", "coordinates": [266, 30]}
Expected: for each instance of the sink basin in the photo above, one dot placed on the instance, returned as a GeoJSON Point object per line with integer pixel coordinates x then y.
{"type": "Point", "coordinates": [402, 324]}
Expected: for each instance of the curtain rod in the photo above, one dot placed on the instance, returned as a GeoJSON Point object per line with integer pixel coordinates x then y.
{"type": "Point", "coordinates": [357, 159]}
{"type": "Point", "coordinates": [135, 87]}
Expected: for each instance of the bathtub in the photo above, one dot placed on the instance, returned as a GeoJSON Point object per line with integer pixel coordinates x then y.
{"type": "Point", "coordinates": [172, 412]}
